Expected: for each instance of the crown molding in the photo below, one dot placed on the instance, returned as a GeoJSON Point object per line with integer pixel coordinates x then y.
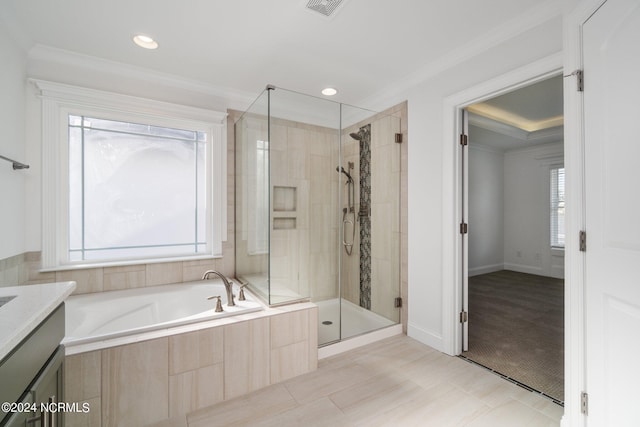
{"type": "Point", "coordinates": [485, 148]}
{"type": "Point", "coordinates": [498, 127]}
{"type": "Point", "coordinates": [103, 99]}
{"type": "Point", "coordinates": [47, 54]}
{"type": "Point", "coordinates": [556, 148]}
{"type": "Point", "coordinates": [553, 134]}
{"type": "Point", "coordinates": [528, 20]}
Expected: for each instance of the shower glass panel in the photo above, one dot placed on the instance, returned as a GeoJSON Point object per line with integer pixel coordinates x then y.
{"type": "Point", "coordinates": [370, 272]}
{"type": "Point", "coordinates": [318, 209]}
{"type": "Point", "coordinates": [252, 197]}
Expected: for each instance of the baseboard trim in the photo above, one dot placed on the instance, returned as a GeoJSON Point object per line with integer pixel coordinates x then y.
{"type": "Point", "coordinates": [485, 269]}
{"type": "Point", "coordinates": [520, 268]}
{"type": "Point", "coordinates": [359, 341]}
{"type": "Point", "coordinates": [426, 337]}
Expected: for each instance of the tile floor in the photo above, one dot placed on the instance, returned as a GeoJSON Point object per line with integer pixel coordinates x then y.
{"type": "Point", "coordinates": [394, 382]}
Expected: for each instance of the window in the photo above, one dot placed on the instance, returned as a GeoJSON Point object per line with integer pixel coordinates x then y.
{"type": "Point", "coordinates": [135, 191]}
{"type": "Point", "coordinates": [259, 243]}
{"type": "Point", "coordinates": [557, 208]}
{"type": "Point", "coordinates": [134, 181]}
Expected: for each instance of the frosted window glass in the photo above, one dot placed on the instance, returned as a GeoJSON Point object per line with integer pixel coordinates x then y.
{"type": "Point", "coordinates": [136, 191]}
{"type": "Point", "coordinates": [260, 208]}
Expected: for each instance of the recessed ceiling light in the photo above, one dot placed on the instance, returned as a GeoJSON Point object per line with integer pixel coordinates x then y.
{"type": "Point", "coordinates": [145, 41]}
{"type": "Point", "coordinates": [329, 91]}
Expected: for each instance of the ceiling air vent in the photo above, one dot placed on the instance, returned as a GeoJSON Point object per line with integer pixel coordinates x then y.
{"type": "Point", "coordinates": [324, 7]}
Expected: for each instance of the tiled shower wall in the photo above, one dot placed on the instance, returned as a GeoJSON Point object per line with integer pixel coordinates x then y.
{"type": "Point", "coordinates": [303, 238]}
{"type": "Point", "coordinates": [388, 170]}
{"type": "Point", "coordinates": [364, 216]}
{"type": "Point", "coordinates": [304, 157]}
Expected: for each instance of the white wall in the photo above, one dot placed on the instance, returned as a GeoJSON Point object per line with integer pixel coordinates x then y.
{"type": "Point", "coordinates": [509, 210]}
{"type": "Point", "coordinates": [527, 211]}
{"type": "Point", "coordinates": [425, 170]}
{"type": "Point", "coordinates": [486, 209]}
{"type": "Point", "coordinates": [12, 145]}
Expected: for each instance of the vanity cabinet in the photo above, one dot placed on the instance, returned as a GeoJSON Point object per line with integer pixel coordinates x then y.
{"type": "Point", "coordinates": [33, 373]}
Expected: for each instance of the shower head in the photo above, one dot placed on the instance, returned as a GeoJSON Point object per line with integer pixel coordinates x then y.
{"type": "Point", "coordinates": [341, 169]}
{"type": "Point", "coordinates": [356, 136]}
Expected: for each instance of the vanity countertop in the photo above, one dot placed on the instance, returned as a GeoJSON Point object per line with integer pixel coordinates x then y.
{"type": "Point", "coordinates": [31, 305]}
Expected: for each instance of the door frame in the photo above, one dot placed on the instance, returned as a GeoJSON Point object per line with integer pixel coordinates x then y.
{"type": "Point", "coordinates": [453, 262]}
{"type": "Point", "coordinates": [575, 261]}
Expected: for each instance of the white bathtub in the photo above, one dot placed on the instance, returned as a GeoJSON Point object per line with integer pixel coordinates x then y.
{"type": "Point", "coordinates": [106, 315]}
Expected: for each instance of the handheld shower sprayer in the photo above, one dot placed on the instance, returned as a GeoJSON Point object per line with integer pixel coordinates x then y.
{"type": "Point", "coordinates": [341, 169]}
{"type": "Point", "coordinates": [348, 213]}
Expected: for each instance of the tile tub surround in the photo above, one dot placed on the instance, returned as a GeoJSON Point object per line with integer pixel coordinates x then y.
{"type": "Point", "coordinates": [163, 379]}
{"type": "Point", "coordinates": [31, 305]}
{"type": "Point", "coordinates": [24, 270]}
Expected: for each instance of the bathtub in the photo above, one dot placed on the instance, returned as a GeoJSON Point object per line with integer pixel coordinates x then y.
{"type": "Point", "coordinates": [105, 316]}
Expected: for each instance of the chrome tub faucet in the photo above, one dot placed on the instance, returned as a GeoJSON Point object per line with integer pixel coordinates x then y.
{"type": "Point", "coordinates": [227, 285]}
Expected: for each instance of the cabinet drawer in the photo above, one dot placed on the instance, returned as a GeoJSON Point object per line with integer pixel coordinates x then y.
{"type": "Point", "coordinates": [19, 369]}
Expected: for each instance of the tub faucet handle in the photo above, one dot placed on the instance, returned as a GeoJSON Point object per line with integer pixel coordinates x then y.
{"type": "Point", "coordinates": [218, 303]}
{"type": "Point", "coordinates": [241, 296]}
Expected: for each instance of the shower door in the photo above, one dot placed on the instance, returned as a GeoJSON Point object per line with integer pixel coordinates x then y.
{"type": "Point", "coordinates": [370, 209]}
{"type": "Point", "coordinates": [318, 209]}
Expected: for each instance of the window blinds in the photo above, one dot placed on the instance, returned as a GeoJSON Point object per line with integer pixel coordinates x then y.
{"type": "Point", "coordinates": [557, 208]}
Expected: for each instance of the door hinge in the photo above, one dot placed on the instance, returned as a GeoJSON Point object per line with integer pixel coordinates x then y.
{"type": "Point", "coordinates": [583, 241]}
{"type": "Point", "coordinates": [397, 302]}
{"type": "Point", "coordinates": [464, 317]}
{"type": "Point", "coordinates": [584, 403]}
{"type": "Point", "coordinates": [464, 228]}
{"type": "Point", "coordinates": [579, 79]}
{"type": "Point", "coordinates": [398, 138]}
{"type": "Point", "coordinates": [464, 140]}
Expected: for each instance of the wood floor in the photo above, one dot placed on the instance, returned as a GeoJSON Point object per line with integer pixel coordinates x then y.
{"type": "Point", "coordinates": [516, 327]}
{"type": "Point", "coordinates": [395, 382]}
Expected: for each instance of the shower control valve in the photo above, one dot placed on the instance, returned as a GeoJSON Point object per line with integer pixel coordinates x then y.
{"type": "Point", "coordinates": [364, 210]}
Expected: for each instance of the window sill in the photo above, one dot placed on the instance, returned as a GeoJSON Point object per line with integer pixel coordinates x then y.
{"type": "Point", "coordinates": [86, 266]}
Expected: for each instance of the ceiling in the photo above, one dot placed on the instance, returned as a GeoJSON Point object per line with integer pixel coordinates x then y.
{"type": "Point", "coordinates": [364, 48]}
{"type": "Point", "coordinates": [529, 116]}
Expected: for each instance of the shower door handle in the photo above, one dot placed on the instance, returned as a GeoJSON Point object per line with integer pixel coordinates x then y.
{"type": "Point", "coordinates": [344, 231]}
{"type": "Point", "coordinates": [348, 247]}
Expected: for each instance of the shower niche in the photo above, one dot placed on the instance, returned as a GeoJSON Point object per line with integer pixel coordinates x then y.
{"type": "Point", "coordinates": [318, 209]}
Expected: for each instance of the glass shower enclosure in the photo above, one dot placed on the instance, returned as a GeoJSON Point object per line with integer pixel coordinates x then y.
{"type": "Point", "coordinates": [318, 209]}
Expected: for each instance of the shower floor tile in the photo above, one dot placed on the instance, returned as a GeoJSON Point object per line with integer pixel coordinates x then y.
{"type": "Point", "coordinates": [394, 382]}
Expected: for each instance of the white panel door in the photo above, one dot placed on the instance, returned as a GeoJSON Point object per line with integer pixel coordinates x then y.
{"type": "Point", "coordinates": [611, 54]}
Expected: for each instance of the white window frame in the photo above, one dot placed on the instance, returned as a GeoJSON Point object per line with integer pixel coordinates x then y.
{"type": "Point", "coordinates": [551, 243]}
{"type": "Point", "coordinates": [254, 130]}
{"type": "Point", "coordinates": [58, 101]}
